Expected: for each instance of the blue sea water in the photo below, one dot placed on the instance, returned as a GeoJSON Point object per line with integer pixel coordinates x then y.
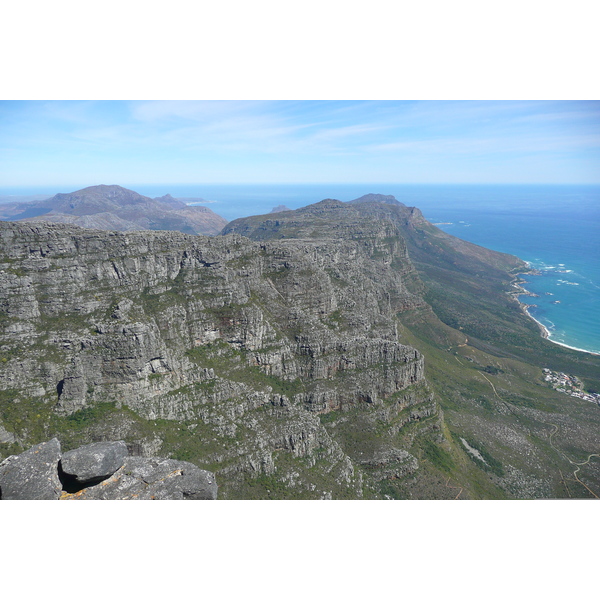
{"type": "Point", "coordinates": [555, 228]}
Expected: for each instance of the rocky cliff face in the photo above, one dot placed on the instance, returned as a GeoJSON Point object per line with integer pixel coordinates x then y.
{"type": "Point", "coordinates": [373, 213]}
{"type": "Point", "coordinates": [275, 363]}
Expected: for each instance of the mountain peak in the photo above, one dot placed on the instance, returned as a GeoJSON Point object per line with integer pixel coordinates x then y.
{"type": "Point", "coordinates": [367, 198]}
{"type": "Point", "coordinates": [280, 208]}
{"type": "Point", "coordinates": [102, 187]}
{"type": "Point", "coordinates": [107, 191]}
{"type": "Point", "coordinates": [88, 198]}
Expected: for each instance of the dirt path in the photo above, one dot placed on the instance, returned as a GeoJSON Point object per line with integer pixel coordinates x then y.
{"type": "Point", "coordinates": [495, 392]}
{"type": "Point", "coordinates": [577, 465]}
{"type": "Point", "coordinates": [453, 487]}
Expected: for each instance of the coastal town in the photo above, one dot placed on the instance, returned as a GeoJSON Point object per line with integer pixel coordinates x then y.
{"type": "Point", "coordinates": [569, 384]}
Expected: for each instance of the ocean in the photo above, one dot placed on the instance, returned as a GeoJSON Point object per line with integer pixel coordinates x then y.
{"type": "Point", "coordinates": [555, 228]}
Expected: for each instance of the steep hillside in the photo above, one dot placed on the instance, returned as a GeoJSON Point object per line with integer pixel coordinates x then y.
{"type": "Point", "coordinates": [473, 290]}
{"type": "Point", "coordinates": [114, 208]}
{"type": "Point", "coordinates": [483, 357]}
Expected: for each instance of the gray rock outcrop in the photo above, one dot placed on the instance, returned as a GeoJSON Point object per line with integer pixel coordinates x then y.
{"type": "Point", "coordinates": [6, 437]}
{"type": "Point", "coordinates": [32, 475]}
{"type": "Point", "coordinates": [152, 479]}
{"type": "Point", "coordinates": [103, 471]}
{"type": "Point", "coordinates": [94, 462]}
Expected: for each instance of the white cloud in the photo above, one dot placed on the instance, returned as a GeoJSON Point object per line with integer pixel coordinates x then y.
{"type": "Point", "coordinates": [190, 110]}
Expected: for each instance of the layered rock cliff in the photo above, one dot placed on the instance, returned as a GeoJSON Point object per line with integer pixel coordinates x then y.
{"type": "Point", "coordinates": [228, 352]}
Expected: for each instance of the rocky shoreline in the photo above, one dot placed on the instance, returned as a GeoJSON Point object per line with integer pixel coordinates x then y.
{"type": "Point", "coordinates": [518, 291]}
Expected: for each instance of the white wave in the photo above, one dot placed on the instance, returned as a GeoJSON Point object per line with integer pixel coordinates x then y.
{"type": "Point", "coordinates": [551, 331]}
{"type": "Point", "coordinates": [573, 347]}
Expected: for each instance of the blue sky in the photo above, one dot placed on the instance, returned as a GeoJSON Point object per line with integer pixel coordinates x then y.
{"type": "Point", "coordinates": [80, 143]}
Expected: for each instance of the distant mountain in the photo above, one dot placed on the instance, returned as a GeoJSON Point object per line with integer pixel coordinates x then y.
{"type": "Point", "coordinates": [170, 201]}
{"type": "Point", "coordinates": [369, 198]}
{"type": "Point", "coordinates": [112, 207]}
{"type": "Point", "coordinates": [280, 208]}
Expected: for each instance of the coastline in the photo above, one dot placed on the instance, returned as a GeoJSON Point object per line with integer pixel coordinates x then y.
{"type": "Point", "coordinates": [544, 331]}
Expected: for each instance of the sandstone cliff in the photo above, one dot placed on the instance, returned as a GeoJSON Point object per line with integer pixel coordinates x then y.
{"type": "Point", "coordinates": [228, 352]}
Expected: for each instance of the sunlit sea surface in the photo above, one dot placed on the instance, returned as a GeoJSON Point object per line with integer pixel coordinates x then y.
{"type": "Point", "coordinates": [556, 229]}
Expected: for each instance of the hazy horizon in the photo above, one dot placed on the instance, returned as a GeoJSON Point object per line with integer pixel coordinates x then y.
{"type": "Point", "coordinates": [75, 144]}
{"type": "Point", "coordinates": [69, 188]}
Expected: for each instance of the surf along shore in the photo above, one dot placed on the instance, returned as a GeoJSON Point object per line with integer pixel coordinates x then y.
{"type": "Point", "coordinates": [518, 291]}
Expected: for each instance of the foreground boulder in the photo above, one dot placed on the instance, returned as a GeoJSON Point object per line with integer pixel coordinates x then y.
{"type": "Point", "coordinates": [101, 471]}
{"type": "Point", "coordinates": [152, 479]}
{"type": "Point", "coordinates": [32, 475]}
{"type": "Point", "coordinates": [93, 463]}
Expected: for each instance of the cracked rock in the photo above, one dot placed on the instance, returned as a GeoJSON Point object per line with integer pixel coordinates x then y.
{"type": "Point", "coordinates": [32, 475]}
{"type": "Point", "coordinates": [153, 479]}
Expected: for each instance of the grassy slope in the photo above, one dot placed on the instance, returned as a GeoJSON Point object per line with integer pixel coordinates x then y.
{"type": "Point", "coordinates": [502, 407]}
{"type": "Point", "coordinates": [484, 358]}
{"type": "Point", "coordinates": [470, 292]}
